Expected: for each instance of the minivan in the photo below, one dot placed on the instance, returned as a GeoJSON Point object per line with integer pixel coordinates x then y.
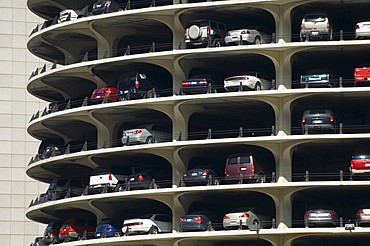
{"type": "Point", "coordinates": [245, 166]}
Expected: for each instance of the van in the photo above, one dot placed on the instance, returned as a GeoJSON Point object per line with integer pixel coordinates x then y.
{"type": "Point", "coordinates": [245, 166]}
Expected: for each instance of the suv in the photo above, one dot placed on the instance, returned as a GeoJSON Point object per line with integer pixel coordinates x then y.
{"type": "Point", "coordinates": [60, 186]}
{"type": "Point", "coordinates": [75, 228]}
{"type": "Point", "coordinates": [135, 87]}
{"type": "Point", "coordinates": [316, 26]}
{"type": "Point", "coordinates": [205, 33]}
{"type": "Point", "coordinates": [318, 120]}
{"type": "Point", "coordinates": [360, 162]}
{"type": "Point", "coordinates": [245, 166]}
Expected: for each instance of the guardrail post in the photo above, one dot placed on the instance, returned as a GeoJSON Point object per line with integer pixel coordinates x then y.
{"type": "Point", "coordinates": [128, 6]}
{"type": "Point", "coordinates": [341, 175]}
{"type": "Point", "coordinates": [128, 51]}
{"type": "Point", "coordinates": [68, 195]}
{"type": "Point", "coordinates": [209, 180]}
{"type": "Point", "coordinates": [86, 191]}
{"type": "Point", "coordinates": [306, 176]}
{"type": "Point", "coordinates": [31, 204]}
{"type": "Point", "coordinates": [85, 102]}
{"type": "Point", "coordinates": [240, 225]}
{"type": "Point", "coordinates": [341, 222]}
{"type": "Point", "coordinates": [127, 141]}
{"type": "Point", "coordinates": [54, 64]}
{"type": "Point", "coordinates": [209, 227]}
{"type": "Point", "coordinates": [179, 46]}
{"type": "Point", "coordinates": [43, 70]}
{"type": "Point", "coordinates": [68, 61]}
{"type": "Point", "coordinates": [152, 4]}
{"type": "Point", "coordinates": [209, 134]}
{"type": "Point", "coordinates": [340, 128]}
{"type": "Point", "coordinates": [127, 186]}
{"type": "Point", "coordinates": [273, 84]}
{"type": "Point", "coordinates": [36, 72]}
{"type": "Point", "coordinates": [273, 132]}
{"type": "Point", "coordinates": [240, 132]}
{"type": "Point", "coordinates": [69, 17]}
{"type": "Point", "coordinates": [84, 236]}
{"type": "Point", "coordinates": [180, 136]}
{"type": "Point", "coordinates": [340, 82]}
{"type": "Point", "coordinates": [240, 179]}
{"type": "Point", "coordinates": [84, 148]}
{"type": "Point", "coordinates": [86, 57]}
{"type": "Point", "coordinates": [68, 149]}
{"type": "Point", "coordinates": [68, 106]}
{"type": "Point", "coordinates": [273, 223]}
{"type": "Point", "coordinates": [305, 129]}
{"type": "Point", "coordinates": [273, 177]}
{"type": "Point", "coordinates": [273, 38]}
{"type": "Point", "coordinates": [104, 234]}
{"type": "Point", "coordinates": [241, 86]}
{"type": "Point", "coordinates": [105, 144]}
{"type": "Point", "coordinates": [306, 83]}
{"type": "Point", "coordinates": [105, 189]}
{"type": "Point", "coordinates": [240, 40]}
{"type": "Point", "coordinates": [341, 35]}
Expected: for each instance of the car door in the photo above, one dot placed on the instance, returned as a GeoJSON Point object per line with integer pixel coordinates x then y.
{"type": "Point", "coordinates": [164, 222]}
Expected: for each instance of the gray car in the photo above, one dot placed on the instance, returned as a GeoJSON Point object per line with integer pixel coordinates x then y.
{"type": "Point", "coordinates": [246, 217]}
{"type": "Point", "coordinates": [320, 217]}
{"type": "Point", "coordinates": [248, 35]}
{"type": "Point", "coordinates": [150, 133]}
{"type": "Point", "coordinates": [318, 121]}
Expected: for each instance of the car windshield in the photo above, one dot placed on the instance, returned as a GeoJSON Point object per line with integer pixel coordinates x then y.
{"type": "Point", "coordinates": [146, 216]}
{"type": "Point", "coordinates": [315, 18]}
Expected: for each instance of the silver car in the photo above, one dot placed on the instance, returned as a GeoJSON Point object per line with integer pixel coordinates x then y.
{"type": "Point", "coordinates": [248, 81]}
{"type": "Point", "coordinates": [320, 217]}
{"type": "Point", "coordinates": [246, 217]}
{"type": "Point", "coordinates": [363, 216]}
{"type": "Point", "coordinates": [150, 133]}
{"type": "Point", "coordinates": [362, 30]}
{"type": "Point", "coordinates": [149, 223]}
{"type": "Point", "coordinates": [251, 35]}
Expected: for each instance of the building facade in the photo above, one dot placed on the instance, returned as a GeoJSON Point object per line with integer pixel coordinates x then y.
{"type": "Point", "coordinates": [153, 89]}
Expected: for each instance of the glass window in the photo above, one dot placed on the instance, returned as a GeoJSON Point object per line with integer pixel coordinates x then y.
{"type": "Point", "coordinates": [245, 159]}
{"type": "Point", "coordinates": [221, 26]}
{"type": "Point", "coordinates": [233, 161]}
{"type": "Point", "coordinates": [164, 218]}
{"type": "Point", "coordinates": [75, 183]}
{"type": "Point", "coordinates": [62, 182]}
{"type": "Point", "coordinates": [80, 222]}
{"type": "Point", "coordinates": [213, 24]}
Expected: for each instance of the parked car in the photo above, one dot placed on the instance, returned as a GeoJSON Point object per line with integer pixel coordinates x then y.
{"type": "Point", "coordinates": [318, 121]}
{"type": "Point", "coordinates": [70, 14]}
{"type": "Point", "coordinates": [200, 221]}
{"type": "Point", "coordinates": [59, 187]}
{"type": "Point", "coordinates": [150, 223]}
{"type": "Point", "coordinates": [149, 133]}
{"type": "Point", "coordinates": [74, 228]}
{"type": "Point", "coordinates": [51, 232]}
{"type": "Point", "coordinates": [362, 75]}
{"type": "Point", "coordinates": [245, 165]}
{"type": "Point", "coordinates": [316, 26]}
{"type": "Point", "coordinates": [201, 83]}
{"type": "Point", "coordinates": [248, 35]}
{"type": "Point", "coordinates": [246, 217]}
{"type": "Point", "coordinates": [202, 33]}
{"type": "Point", "coordinates": [111, 94]}
{"type": "Point", "coordinates": [317, 80]}
{"type": "Point", "coordinates": [320, 217]}
{"type": "Point", "coordinates": [141, 181]}
{"type": "Point", "coordinates": [135, 87]}
{"type": "Point", "coordinates": [200, 177]}
{"type": "Point", "coordinates": [112, 228]}
{"type": "Point", "coordinates": [109, 180]}
{"type": "Point", "coordinates": [360, 162]}
{"type": "Point", "coordinates": [363, 216]}
{"type": "Point", "coordinates": [101, 7]}
{"type": "Point", "coordinates": [248, 81]}
{"type": "Point", "coordinates": [52, 150]}
{"type": "Point", "coordinates": [362, 30]}
{"type": "Point", "coordinates": [37, 242]}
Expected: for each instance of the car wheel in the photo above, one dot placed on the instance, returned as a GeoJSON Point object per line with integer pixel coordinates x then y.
{"type": "Point", "coordinates": [216, 43]}
{"type": "Point", "coordinates": [257, 40]}
{"type": "Point", "coordinates": [256, 223]}
{"type": "Point", "coordinates": [117, 234]}
{"type": "Point", "coordinates": [216, 182]}
{"type": "Point", "coordinates": [149, 140]}
{"type": "Point", "coordinates": [257, 87]}
{"type": "Point", "coordinates": [153, 230]}
{"type": "Point", "coordinates": [119, 9]}
{"type": "Point", "coordinates": [330, 36]}
{"type": "Point", "coordinates": [261, 178]}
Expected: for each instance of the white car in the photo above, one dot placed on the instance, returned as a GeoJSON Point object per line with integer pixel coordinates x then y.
{"type": "Point", "coordinates": [248, 81]}
{"type": "Point", "coordinates": [150, 223]}
{"type": "Point", "coordinates": [253, 35]}
{"type": "Point", "coordinates": [63, 15]}
{"type": "Point", "coordinates": [151, 133]}
{"type": "Point", "coordinates": [362, 30]}
{"type": "Point", "coordinates": [246, 217]}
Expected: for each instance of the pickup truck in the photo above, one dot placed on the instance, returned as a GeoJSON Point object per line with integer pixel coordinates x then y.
{"type": "Point", "coordinates": [316, 80]}
{"type": "Point", "coordinates": [106, 179]}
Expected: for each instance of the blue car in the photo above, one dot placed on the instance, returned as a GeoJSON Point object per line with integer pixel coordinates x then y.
{"type": "Point", "coordinates": [111, 227]}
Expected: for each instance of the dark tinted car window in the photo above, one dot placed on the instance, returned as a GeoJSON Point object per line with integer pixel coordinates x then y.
{"type": "Point", "coordinates": [214, 25]}
{"type": "Point", "coordinates": [222, 27]}
{"type": "Point", "coordinates": [163, 218]}
{"type": "Point", "coordinates": [145, 216]}
{"type": "Point", "coordinates": [317, 111]}
{"type": "Point", "coordinates": [157, 128]}
{"type": "Point", "coordinates": [62, 182]}
{"type": "Point", "coordinates": [233, 161]}
{"type": "Point", "coordinates": [315, 18]}
{"type": "Point", "coordinates": [245, 159]}
{"type": "Point", "coordinates": [91, 223]}
{"type": "Point", "coordinates": [75, 183]}
{"type": "Point", "coordinates": [80, 222]}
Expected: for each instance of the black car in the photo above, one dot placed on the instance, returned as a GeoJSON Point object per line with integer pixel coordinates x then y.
{"type": "Point", "coordinates": [148, 179]}
{"type": "Point", "coordinates": [135, 87]}
{"type": "Point", "coordinates": [101, 7]}
{"type": "Point", "coordinates": [200, 221]}
{"type": "Point", "coordinates": [318, 121]}
{"type": "Point", "coordinates": [200, 177]}
{"type": "Point", "coordinates": [201, 83]}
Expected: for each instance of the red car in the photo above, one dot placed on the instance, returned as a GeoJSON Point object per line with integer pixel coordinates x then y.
{"type": "Point", "coordinates": [101, 93]}
{"type": "Point", "coordinates": [75, 228]}
{"type": "Point", "coordinates": [360, 162]}
{"type": "Point", "coordinates": [362, 75]}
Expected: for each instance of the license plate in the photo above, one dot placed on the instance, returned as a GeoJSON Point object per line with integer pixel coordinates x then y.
{"type": "Point", "coordinates": [193, 83]}
{"type": "Point", "coordinates": [233, 223]}
{"type": "Point", "coordinates": [194, 174]}
{"type": "Point", "coordinates": [367, 164]}
{"type": "Point", "coordinates": [126, 91]}
{"type": "Point", "coordinates": [188, 220]}
{"type": "Point", "coordinates": [243, 168]}
{"type": "Point", "coordinates": [98, 235]}
{"type": "Point", "coordinates": [367, 79]}
{"type": "Point", "coordinates": [132, 179]}
{"type": "Point", "coordinates": [317, 121]}
{"type": "Point", "coordinates": [98, 6]}
{"type": "Point", "coordinates": [315, 33]}
{"type": "Point", "coordinates": [323, 215]}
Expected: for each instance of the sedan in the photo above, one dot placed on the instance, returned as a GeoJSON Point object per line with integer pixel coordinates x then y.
{"type": "Point", "coordinates": [252, 35]}
{"type": "Point", "coordinates": [194, 222]}
{"type": "Point", "coordinates": [246, 217]}
{"type": "Point", "coordinates": [140, 181]}
{"type": "Point", "coordinates": [150, 223]}
{"type": "Point", "coordinates": [200, 177]}
{"type": "Point", "coordinates": [320, 217]}
{"type": "Point", "coordinates": [247, 81]}
{"type": "Point", "coordinates": [362, 30]}
{"type": "Point", "coordinates": [363, 216]}
{"type": "Point", "coordinates": [151, 133]}
{"type": "Point", "coordinates": [110, 226]}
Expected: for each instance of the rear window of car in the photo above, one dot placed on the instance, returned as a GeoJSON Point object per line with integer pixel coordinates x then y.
{"type": "Point", "coordinates": [315, 18]}
{"type": "Point", "coordinates": [80, 222]}
{"type": "Point", "coordinates": [359, 157]}
{"type": "Point", "coordinates": [317, 111]}
{"type": "Point", "coordinates": [245, 159]}
{"type": "Point", "coordinates": [164, 218]}
{"type": "Point", "coordinates": [233, 161]}
{"type": "Point", "coordinates": [62, 182]}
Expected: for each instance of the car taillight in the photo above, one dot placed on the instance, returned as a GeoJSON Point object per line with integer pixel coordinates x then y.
{"type": "Point", "coordinates": [107, 3]}
{"type": "Point", "coordinates": [331, 118]}
{"type": "Point", "coordinates": [205, 173]}
{"type": "Point", "coordinates": [140, 177]}
{"type": "Point", "coordinates": [307, 214]}
{"type": "Point", "coordinates": [137, 83]}
{"type": "Point", "coordinates": [203, 82]}
{"type": "Point", "coordinates": [303, 119]}
{"type": "Point", "coordinates": [184, 174]}
{"type": "Point", "coordinates": [54, 188]}
{"type": "Point", "coordinates": [302, 27]}
{"type": "Point", "coordinates": [132, 224]}
{"type": "Point", "coordinates": [138, 131]}
{"type": "Point", "coordinates": [126, 179]}
{"type": "Point", "coordinates": [244, 215]}
{"type": "Point", "coordinates": [245, 32]}
{"type": "Point", "coordinates": [227, 34]}
{"type": "Point", "coordinates": [66, 230]}
{"type": "Point", "coordinates": [357, 27]}
{"type": "Point", "coordinates": [109, 226]}
{"type": "Point", "coordinates": [185, 83]}
{"type": "Point", "coordinates": [185, 32]}
{"type": "Point", "coordinates": [328, 25]}
{"type": "Point", "coordinates": [110, 177]}
{"type": "Point", "coordinates": [52, 233]}
{"type": "Point", "coordinates": [124, 134]}
{"type": "Point", "coordinates": [331, 213]}
{"type": "Point", "coordinates": [226, 217]}
{"type": "Point", "coordinates": [208, 30]}
{"type": "Point", "coordinates": [181, 220]}
{"type": "Point", "coordinates": [360, 212]}
{"type": "Point", "coordinates": [199, 219]}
